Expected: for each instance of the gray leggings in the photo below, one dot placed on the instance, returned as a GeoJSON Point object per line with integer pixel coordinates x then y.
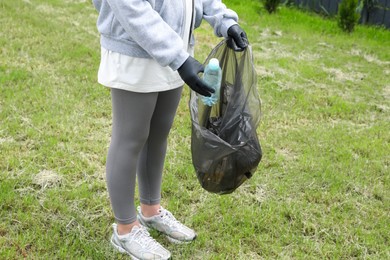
{"type": "Point", "coordinates": [141, 123]}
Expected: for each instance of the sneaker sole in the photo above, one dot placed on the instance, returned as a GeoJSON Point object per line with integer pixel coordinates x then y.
{"type": "Point", "coordinates": [175, 241]}
{"type": "Point", "coordinates": [170, 239]}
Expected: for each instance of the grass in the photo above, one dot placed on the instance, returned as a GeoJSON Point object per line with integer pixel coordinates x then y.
{"type": "Point", "coordinates": [321, 190]}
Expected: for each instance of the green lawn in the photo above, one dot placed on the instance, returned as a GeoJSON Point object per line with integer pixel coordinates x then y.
{"type": "Point", "coordinates": [322, 190]}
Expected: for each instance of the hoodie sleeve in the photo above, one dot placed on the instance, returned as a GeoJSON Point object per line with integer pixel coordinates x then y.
{"type": "Point", "coordinates": [218, 16]}
{"type": "Point", "coordinates": [146, 27]}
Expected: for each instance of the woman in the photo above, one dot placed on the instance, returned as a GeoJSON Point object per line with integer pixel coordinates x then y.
{"type": "Point", "coordinates": [145, 61]}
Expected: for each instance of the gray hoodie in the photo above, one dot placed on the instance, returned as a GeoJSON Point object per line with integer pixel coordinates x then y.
{"type": "Point", "coordinates": [155, 28]}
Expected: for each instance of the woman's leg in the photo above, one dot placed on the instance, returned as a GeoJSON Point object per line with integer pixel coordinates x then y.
{"type": "Point", "coordinates": [151, 161]}
{"type": "Point", "coordinates": [150, 168]}
{"type": "Point", "coordinates": [132, 115]}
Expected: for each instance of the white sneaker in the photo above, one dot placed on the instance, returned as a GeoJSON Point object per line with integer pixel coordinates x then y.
{"type": "Point", "coordinates": [139, 245]}
{"type": "Point", "coordinates": [167, 224]}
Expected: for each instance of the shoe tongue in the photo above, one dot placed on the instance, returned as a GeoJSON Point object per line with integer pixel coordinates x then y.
{"type": "Point", "coordinates": [135, 228]}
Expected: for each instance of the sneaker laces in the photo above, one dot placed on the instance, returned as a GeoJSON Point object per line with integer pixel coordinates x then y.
{"type": "Point", "coordinates": [142, 236]}
{"type": "Point", "coordinates": [169, 219]}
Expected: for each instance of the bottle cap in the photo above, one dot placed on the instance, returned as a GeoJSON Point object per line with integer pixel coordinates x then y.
{"type": "Point", "coordinates": [213, 64]}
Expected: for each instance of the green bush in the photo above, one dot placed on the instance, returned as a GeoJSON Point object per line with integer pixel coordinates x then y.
{"type": "Point", "coordinates": [271, 5]}
{"type": "Point", "coordinates": [348, 16]}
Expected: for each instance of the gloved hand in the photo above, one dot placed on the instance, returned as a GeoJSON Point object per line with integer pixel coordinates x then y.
{"type": "Point", "coordinates": [189, 73]}
{"type": "Point", "coordinates": [237, 38]}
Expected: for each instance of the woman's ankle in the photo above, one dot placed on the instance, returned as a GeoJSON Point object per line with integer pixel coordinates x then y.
{"type": "Point", "coordinates": [150, 210]}
{"type": "Point", "coordinates": [124, 229]}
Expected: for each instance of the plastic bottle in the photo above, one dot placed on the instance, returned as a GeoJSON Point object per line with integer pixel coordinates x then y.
{"type": "Point", "coordinates": [212, 77]}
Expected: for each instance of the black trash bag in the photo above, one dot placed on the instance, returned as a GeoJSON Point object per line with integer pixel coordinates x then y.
{"type": "Point", "coordinates": [224, 144]}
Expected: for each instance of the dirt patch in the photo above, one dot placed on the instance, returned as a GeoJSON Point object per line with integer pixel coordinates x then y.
{"type": "Point", "coordinates": [274, 52]}
{"type": "Point", "coordinates": [7, 140]}
{"type": "Point", "coordinates": [266, 33]}
{"type": "Point", "coordinates": [368, 57]}
{"type": "Point", "coordinates": [373, 59]}
{"type": "Point", "coordinates": [386, 92]}
{"type": "Point", "coordinates": [286, 153]}
{"type": "Point", "coordinates": [50, 10]}
{"type": "Point", "coordinates": [342, 76]}
{"type": "Point", "coordinates": [47, 179]}
{"type": "Point", "coordinates": [263, 72]}
{"type": "Point", "coordinates": [326, 45]}
{"type": "Point", "coordinates": [258, 194]}
{"type": "Point", "coordinates": [306, 56]}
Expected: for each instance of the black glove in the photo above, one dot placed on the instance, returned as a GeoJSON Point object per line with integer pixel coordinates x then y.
{"type": "Point", "coordinates": [237, 39]}
{"type": "Point", "coordinates": [189, 73]}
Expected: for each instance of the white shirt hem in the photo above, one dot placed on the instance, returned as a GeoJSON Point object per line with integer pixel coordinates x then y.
{"type": "Point", "coordinates": [148, 88]}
